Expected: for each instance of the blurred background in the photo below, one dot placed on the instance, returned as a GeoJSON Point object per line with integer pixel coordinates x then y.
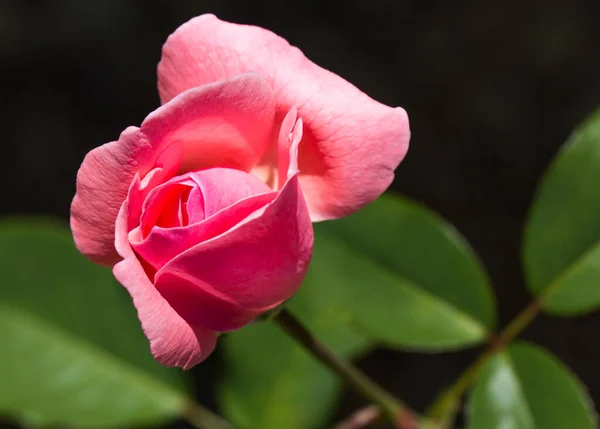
{"type": "Point", "coordinates": [492, 90]}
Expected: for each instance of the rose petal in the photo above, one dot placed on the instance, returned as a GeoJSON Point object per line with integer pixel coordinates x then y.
{"type": "Point", "coordinates": [162, 207]}
{"type": "Point", "coordinates": [173, 341]}
{"type": "Point", "coordinates": [352, 143]}
{"type": "Point", "coordinates": [224, 283]}
{"type": "Point", "coordinates": [230, 128]}
{"type": "Point", "coordinates": [139, 191]}
{"type": "Point", "coordinates": [288, 142]}
{"type": "Point", "coordinates": [227, 123]}
{"type": "Point", "coordinates": [223, 187]}
{"type": "Point", "coordinates": [227, 197]}
{"type": "Point", "coordinates": [102, 184]}
{"type": "Point", "coordinates": [164, 244]}
{"type": "Point", "coordinates": [194, 208]}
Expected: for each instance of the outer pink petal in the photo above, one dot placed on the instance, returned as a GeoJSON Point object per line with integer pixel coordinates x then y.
{"type": "Point", "coordinates": [227, 123]}
{"type": "Point", "coordinates": [102, 183]}
{"type": "Point", "coordinates": [173, 341]}
{"type": "Point", "coordinates": [225, 282]}
{"type": "Point", "coordinates": [351, 145]}
{"type": "Point", "coordinates": [231, 127]}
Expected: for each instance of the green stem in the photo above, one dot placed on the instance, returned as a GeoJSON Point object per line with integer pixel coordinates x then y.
{"type": "Point", "coordinates": [394, 410]}
{"type": "Point", "coordinates": [202, 418]}
{"type": "Point", "coordinates": [445, 406]}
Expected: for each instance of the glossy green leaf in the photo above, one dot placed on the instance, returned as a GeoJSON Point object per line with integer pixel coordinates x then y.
{"type": "Point", "coordinates": [561, 250]}
{"type": "Point", "coordinates": [400, 275]}
{"type": "Point", "coordinates": [73, 353]}
{"type": "Point", "coordinates": [526, 387]}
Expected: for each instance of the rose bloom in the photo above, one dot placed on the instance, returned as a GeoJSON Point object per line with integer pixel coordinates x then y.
{"type": "Point", "coordinates": [204, 211]}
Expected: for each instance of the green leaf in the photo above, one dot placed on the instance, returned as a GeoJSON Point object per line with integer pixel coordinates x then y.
{"type": "Point", "coordinates": [400, 275]}
{"type": "Point", "coordinates": [526, 387]}
{"type": "Point", "coordinates": [561, 250]}
{"type": "Point", "coordinates": [73, 353]}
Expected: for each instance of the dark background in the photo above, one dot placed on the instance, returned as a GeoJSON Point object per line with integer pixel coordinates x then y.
{"type": "Point", "coordinates": [492, 90]}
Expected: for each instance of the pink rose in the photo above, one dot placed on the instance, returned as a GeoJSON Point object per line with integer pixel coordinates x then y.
{"type": "Point", "coordinates": [205, 210]}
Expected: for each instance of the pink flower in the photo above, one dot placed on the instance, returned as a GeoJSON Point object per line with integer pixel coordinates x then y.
{"type": "Point", "coordinates": [205, 210]}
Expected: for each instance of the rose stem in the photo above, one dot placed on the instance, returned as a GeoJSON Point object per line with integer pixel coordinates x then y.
{"type": "Point", "coordinates": [394, 410]}
{"type": "Point", "coordinates": [202, 418]}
